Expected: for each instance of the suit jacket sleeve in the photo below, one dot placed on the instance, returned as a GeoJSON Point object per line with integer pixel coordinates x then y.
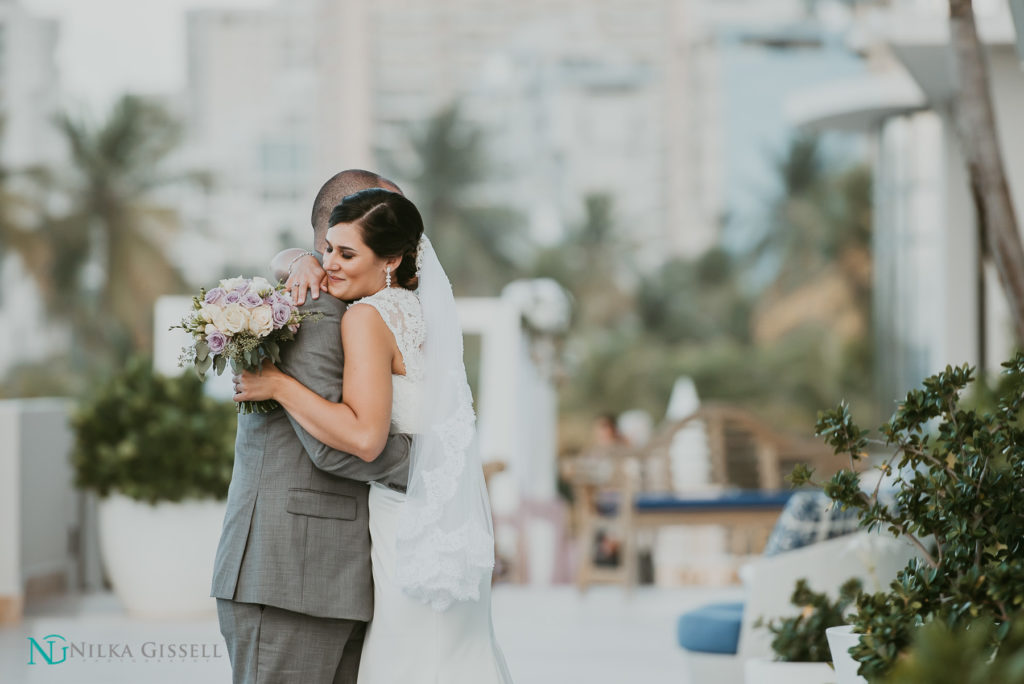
{"type": "Point", "coordinates": [315, 359]}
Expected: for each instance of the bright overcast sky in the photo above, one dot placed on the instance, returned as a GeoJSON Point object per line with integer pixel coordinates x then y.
{"type": "Point", "coordinates": [107, 47]}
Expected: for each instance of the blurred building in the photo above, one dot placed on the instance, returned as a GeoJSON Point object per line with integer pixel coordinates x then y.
{"type": "Point", "coordinates": [28, 92]}
{"type": "Point", "coordinates": [934, 303]}
{"type": "Point", "coordinates": [251, 110]}
{"type": "Point", "coordinates": [29, 99]}
{"type": "Point", "coordinates": [573, 97]}
{"type": "Point", "coordinates": [767, 51]}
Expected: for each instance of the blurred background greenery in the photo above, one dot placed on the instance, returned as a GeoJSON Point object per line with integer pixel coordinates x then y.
{"type": "Point", "coordinates": [750, 326]}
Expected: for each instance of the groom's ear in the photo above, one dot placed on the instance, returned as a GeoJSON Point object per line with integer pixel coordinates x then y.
{"type": "Point", "coordinates": [320, 240]}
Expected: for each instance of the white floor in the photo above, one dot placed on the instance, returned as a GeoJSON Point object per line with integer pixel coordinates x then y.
{"type": "Point", "coordinates": [549, 635]}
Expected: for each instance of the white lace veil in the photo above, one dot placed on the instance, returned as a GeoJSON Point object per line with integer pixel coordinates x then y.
{"type": "Point", "coordinates": [445, 541]}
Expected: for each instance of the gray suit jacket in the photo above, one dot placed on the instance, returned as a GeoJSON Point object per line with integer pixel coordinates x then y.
{"type": "Point", "coordinates": [296, 532]}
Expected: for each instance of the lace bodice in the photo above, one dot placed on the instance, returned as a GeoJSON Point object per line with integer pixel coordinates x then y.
{"type": "Point", "coordinates": [400, 308]}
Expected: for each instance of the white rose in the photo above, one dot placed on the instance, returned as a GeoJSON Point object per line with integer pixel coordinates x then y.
{"type": "Point", "coordinates": [230, 284]}
{"type": "Point", "coordinates": [261, 285]}
{"type": "Point", "coordinates": [236, 319]}
{"type": "Point", "coordinates": [210, 329]}
{"type": "Point", "coordinates": [261, 321]}
{"type": "Point", "coordinates": [214, 314]}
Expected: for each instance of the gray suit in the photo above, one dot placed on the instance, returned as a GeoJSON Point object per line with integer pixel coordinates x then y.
{"type": "Point", "coordinates": [296, 538]}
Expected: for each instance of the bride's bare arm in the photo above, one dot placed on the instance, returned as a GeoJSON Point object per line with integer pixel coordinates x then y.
{"type": "Point", "coordinates": [300, 271]}
{"type": "Point", "coordinates": [360, 423]}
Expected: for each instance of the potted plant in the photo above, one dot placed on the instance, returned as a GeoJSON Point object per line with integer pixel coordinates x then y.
{"type": "Point", "coordinates": [159, 454]}
{"type": "Point", "coordinates": [962, 655]}
{"type": "Point", "coordinates": [799, 642]}
{"type": "Point", "coordinates": [957, 473]}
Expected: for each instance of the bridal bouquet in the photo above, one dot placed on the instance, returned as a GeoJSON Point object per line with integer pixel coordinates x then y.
{"type": "Point", "coordinates": [242, 321]}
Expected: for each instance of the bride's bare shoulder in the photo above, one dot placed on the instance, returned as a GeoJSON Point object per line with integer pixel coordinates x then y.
{"type": "Point", "coordinates": [363, 319]}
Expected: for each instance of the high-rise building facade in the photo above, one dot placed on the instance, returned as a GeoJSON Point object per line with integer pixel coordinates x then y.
{"type": "Point", "coordinates": [28, 87]}
{"type": "Point", "coordinates": [572, 98]}
{"type": "Point", "coordinates": [29, 100]}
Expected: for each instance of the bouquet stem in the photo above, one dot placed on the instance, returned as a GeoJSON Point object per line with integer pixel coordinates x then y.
{"type": "Point", "coordinates": [265, 406]}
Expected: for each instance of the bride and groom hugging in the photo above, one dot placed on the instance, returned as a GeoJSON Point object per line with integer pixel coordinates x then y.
{"type": "Point", "coordinates": [357, 543]}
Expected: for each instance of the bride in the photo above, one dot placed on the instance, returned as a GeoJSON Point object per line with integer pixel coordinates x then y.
{"type": "Point", "coordinates": [432, 547]}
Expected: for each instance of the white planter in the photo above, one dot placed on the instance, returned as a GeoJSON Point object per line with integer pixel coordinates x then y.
{"type": "Point", "coordinates": [159, 558]}
{"type": "Point", "coordinates": [765, 671]}
{"type": "Point", "coordinates": [840, 640]}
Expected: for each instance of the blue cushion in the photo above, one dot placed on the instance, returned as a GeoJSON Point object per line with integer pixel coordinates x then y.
{"type": "Point", "coordinates": [751, 499]}
{"type": "Point", "coordinates": [714, 628]}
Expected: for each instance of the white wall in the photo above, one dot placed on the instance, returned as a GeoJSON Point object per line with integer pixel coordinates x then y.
{"type": "Point", "coordinates": [38, 504]}
{"type": "Point", "coordinates": [10, 498]}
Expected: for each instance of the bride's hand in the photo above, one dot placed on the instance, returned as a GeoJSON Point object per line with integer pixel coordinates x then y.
{"type": "Point", "coordinates": [306, 274]}
{"type": "Point", "coordinates": [250, 386]}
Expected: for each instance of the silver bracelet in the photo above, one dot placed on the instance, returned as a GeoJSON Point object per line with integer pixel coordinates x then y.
{"type": "Point", "coordinates": [291, 263]}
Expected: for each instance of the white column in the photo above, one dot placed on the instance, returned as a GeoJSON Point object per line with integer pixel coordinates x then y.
{"type": "Point", "coordinates": [167, 344]}
{"type": "Point", "coordinates": [10, 511]}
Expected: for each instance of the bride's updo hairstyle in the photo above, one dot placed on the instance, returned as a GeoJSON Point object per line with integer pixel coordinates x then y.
{"type": "Point", "coordinates": [391, 227]}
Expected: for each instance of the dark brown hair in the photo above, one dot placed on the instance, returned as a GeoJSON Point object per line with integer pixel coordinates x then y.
{"type": "Point", "coordinates": [391, 227]}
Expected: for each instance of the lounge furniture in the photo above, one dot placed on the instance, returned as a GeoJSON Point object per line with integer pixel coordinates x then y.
{"type": "Point", "coordinates": [748, 461]}
{"type": "Point", "coordinates": [744, 451]}
{"type": "Point", "coordinates": [718, 639]}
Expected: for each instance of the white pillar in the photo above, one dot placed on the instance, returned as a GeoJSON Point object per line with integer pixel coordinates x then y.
{"type": "Point", "coordinates": [167, 344]}
{"type": "Point", "coordinates": [10, 518]}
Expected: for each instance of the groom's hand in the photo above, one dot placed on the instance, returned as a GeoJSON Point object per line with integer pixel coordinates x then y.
{"type": "Point", "coordinates": [306, 274]}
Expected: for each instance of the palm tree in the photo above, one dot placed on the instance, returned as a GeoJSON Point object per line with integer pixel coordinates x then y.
{"type": "Point", "coordinates": [115, 230]}
{"type": "Point", "coordinates": [820, 222]}
{"type": "Point", "coordinates": [478, 242]}
{"type": "Point", "coordinates": [20, 216]}
{"type": "Point", "coordinates": [101, 264]}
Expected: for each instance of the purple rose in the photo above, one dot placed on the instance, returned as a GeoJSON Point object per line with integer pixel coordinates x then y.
{"type": "Point", "coordinates": [216, 341]}
{"type": "Point", "coordinates": [282, 314]}
{"type": "Point", "coordinates": [215, 296]}
{"type": "Point", "coordinates": [250, 300]}
{"type": "Point", "coordinates": [233, 297]}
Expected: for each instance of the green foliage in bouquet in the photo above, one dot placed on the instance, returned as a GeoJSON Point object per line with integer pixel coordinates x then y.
{"type": "Point", "coordinates": [154, 438]}
{"type": "Point", "coordinates": [801, 638]}
{"type": "Point", "coordinates": [959, 499]}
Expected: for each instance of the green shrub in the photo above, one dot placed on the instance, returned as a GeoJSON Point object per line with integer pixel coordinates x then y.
{"type": "Point", "coordinates": [802, 639]}
{"type": "Point", "coordinates": [940, 655]}
{"type": "Point", "coordinates": [958, 473]}
{"type": "Point", "coordinates": [154, 438]}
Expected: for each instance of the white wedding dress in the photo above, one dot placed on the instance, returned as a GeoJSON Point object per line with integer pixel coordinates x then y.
{"type": "Point", "coordinates": [408, 642]}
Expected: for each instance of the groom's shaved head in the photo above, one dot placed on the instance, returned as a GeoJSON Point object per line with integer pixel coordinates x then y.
{"type": "Point", "coordinates": [338, 187]}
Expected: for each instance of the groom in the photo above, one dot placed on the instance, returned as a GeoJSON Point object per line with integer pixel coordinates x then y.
{"type": "Point", "coordinates": [292, 573]}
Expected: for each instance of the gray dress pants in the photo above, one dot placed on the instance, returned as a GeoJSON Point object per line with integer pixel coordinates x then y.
{"type": "Point", "coordinates": [269, 645]}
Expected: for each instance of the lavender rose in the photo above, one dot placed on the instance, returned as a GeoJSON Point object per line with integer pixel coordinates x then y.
{"type": "Point", "coordinates": [216, 296]}
{"type": "Point", "coordinates": [217, 341]}
{"type": "Point", "coordinates": [282, 314]}
{"type": "Point", "coordinates": [233, 297]}
{"type": "Point", "coordinates": [250, 300]}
